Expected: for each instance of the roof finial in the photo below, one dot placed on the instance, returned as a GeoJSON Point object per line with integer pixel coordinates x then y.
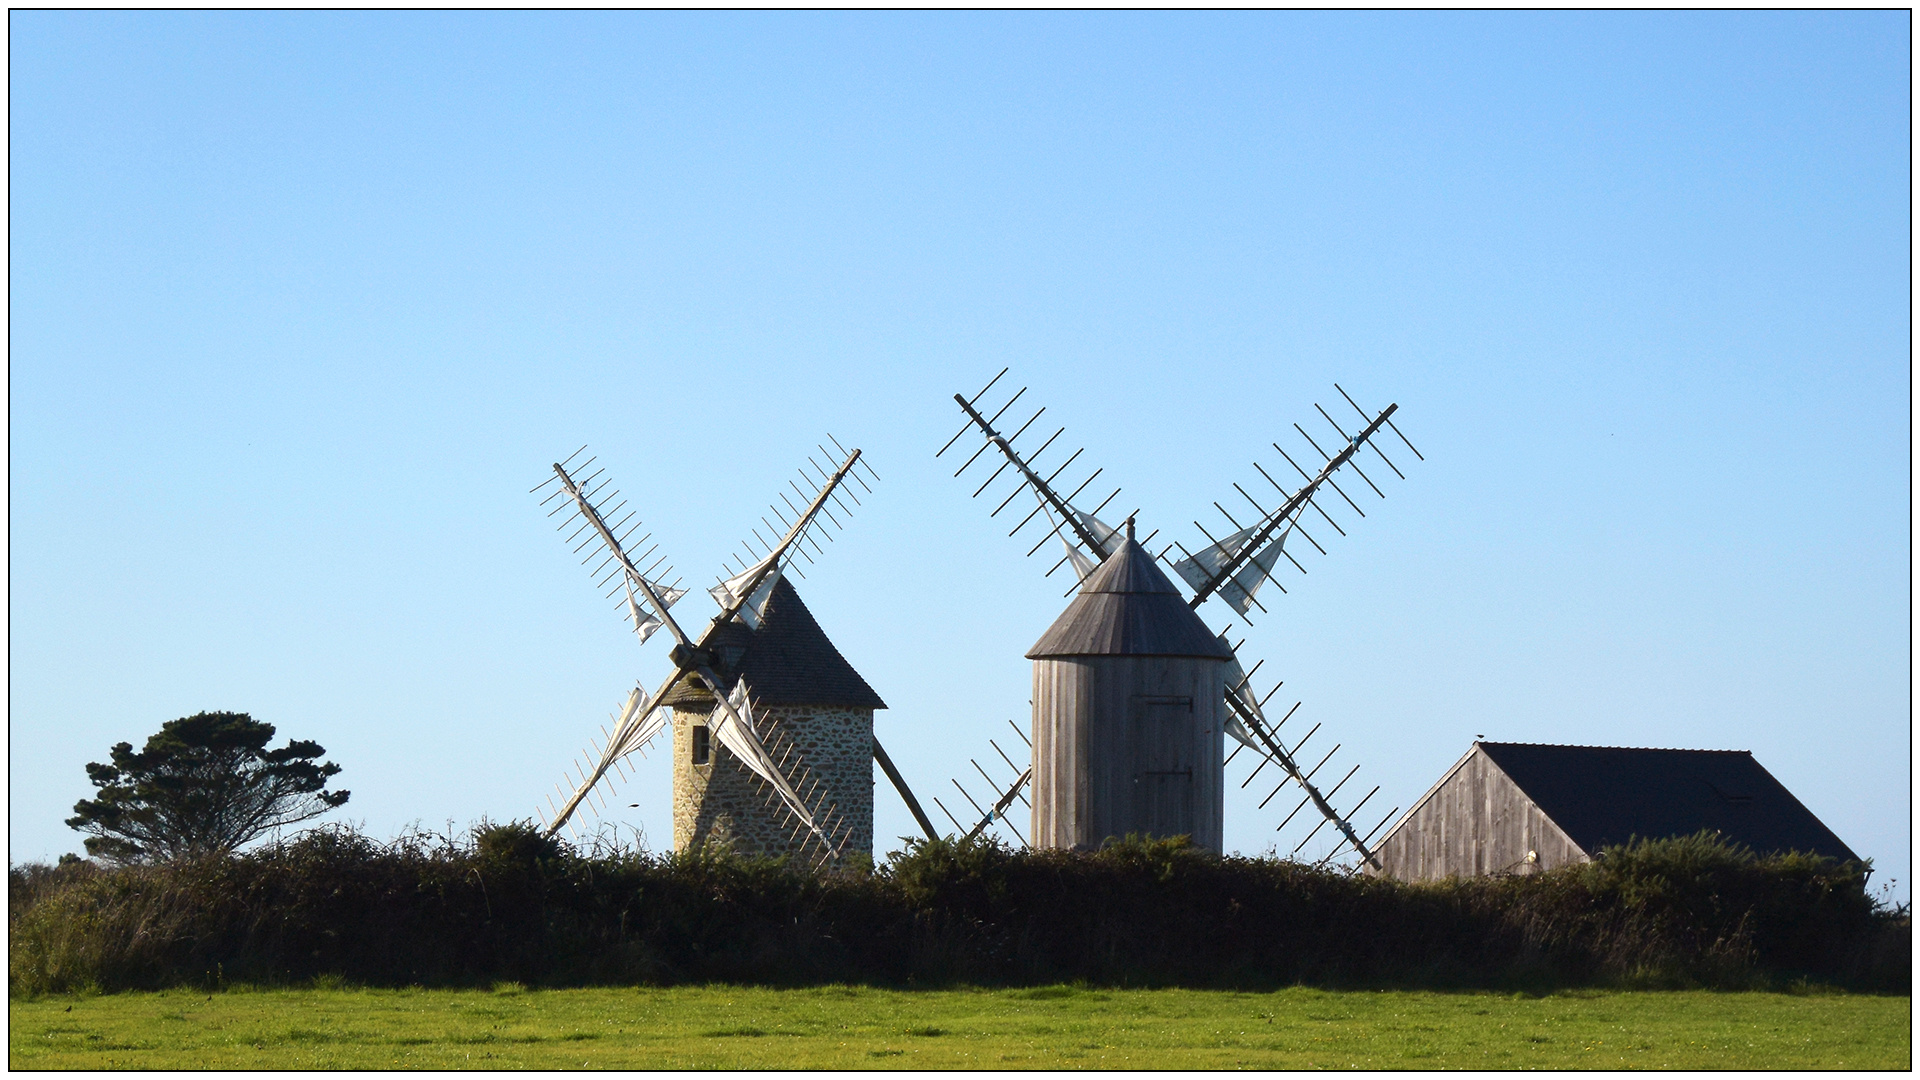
{"type": "Point", "coordinates": [1129, 528]}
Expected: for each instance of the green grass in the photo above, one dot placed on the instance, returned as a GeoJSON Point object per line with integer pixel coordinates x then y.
{"type": "Point", "coordinates": [1047, 1027]}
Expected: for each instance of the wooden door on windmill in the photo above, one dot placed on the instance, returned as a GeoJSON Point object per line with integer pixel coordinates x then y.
{"type": "Point", "coordinates": [1162, 735]}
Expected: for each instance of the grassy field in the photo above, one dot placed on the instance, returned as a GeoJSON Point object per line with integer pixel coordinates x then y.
{"type": "Point", "coordinates": [1049, 1027]}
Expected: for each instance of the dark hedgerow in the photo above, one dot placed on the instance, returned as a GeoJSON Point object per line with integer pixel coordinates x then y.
{"type": "Point", "coordinates": [509, 905]}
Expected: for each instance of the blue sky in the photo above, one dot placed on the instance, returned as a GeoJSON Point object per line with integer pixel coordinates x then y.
{"type": "Point", "coordinates": [303, 304]}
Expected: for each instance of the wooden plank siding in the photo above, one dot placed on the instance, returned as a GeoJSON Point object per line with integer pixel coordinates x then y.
{"type": "Point", "coordinates": [1475, 821]}
{"type": "Point", "coordinates": [1128, 744]}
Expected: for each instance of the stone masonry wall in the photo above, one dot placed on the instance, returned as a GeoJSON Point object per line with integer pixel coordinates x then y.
{"type": "Point", "coordinates": [724, 802]}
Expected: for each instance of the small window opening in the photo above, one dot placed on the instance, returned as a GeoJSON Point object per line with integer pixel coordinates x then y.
{"type": "Point", "coordinates": [702, 749]}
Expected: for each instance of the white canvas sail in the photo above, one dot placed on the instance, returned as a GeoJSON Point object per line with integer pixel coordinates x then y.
{"type": "Point", "coordinates": [636, 730]}
{"type": "Point", "coordinates": [743, 741]}
{"type": "Point", "coordinates": [1238, 591]}
{"type": "Point", "coordinates": [752, 608]}
{"type": "Point", "coordinates": [1242, 695]}
{"type": "Point", "coordinates": [639, 721]}
{"type": "Point", "coordinates": [1200, 569]}
{"type": "Point", "coordinates": [644, 621]}
{"type": "Point", "coordinates": [1101, 531]}
{"type": "Point", "coordinates": [1241, 735]}
{"type": "Point", "coordinates": [1082, 565]}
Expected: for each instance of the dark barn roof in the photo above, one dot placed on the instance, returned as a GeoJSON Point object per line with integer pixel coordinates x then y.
{"type": "Point", "coordinates": [787, 661]}
{"type": "Point", "coordinates": [1602, 795]}
{"type": "Point", "coordinates": [1127, 607]}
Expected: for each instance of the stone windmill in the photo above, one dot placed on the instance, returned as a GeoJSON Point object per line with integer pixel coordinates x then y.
{"type": "Point", "coordinates": [802, 688]}
{"type": "Point", "coordinates": [772, 727]}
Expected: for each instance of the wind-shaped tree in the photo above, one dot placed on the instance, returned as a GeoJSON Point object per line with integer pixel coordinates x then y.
{"type": "Point", "coordinates": [203, 784]}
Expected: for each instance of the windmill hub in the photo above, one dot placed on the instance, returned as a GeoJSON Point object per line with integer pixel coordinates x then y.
{"type": "Point", "coordinates": [688, 658]}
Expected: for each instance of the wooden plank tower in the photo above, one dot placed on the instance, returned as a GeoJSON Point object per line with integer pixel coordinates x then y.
{"type": "Point", "coordinates": [1129, 713]}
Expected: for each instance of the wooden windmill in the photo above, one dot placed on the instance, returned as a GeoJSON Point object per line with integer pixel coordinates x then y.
{"type": "Point", "coordinates": [1133, 694]}
{"type": "Point", "coordinates": [772, 728]}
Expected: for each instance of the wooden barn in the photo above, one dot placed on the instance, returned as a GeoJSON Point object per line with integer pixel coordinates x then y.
{"type": "Point", "coordinates": [1521, 808]}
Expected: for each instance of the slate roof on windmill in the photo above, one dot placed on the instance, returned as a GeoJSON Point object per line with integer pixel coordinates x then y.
{"type": "Point", "coordinates": [788, 660]}
{"type": "Point", "coordinates": [1127, 607]}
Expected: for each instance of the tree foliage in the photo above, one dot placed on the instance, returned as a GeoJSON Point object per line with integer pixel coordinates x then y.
{"type": "Point", "coordinates": [203, 784]}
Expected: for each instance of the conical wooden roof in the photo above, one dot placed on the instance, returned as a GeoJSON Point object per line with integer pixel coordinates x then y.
{"type": "Point", "coordinates": [1127, 607]}
{"type": "Point", "coordinates": [787, 661]}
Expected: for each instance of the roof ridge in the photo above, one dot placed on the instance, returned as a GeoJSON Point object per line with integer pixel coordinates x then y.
{"type": "Point", "coordinates": [1594, 746]}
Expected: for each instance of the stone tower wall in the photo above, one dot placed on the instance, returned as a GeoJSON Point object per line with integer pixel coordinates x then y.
{"type": "Point", "coordinates": [724, 802]}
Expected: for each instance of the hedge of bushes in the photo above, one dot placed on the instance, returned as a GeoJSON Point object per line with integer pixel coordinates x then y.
{"type": "Point", "coordinates": [506, 904]}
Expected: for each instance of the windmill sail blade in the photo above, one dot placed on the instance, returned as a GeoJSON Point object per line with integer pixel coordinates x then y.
{"type": "Point", "coordinates": [1240, 733]}
{"type": "Point", "coordinates": [1082, 565]}
{"type": "Point", "coordinates": [1239, 591]}
{"type": "Point", "coordinates": [1201, 568]}
{"type": "Point", "coordinates": [1248, 725]}
{"type": "Point", "coordinates": [745, 594]}
{"type": "Point", "coordinates": [998, 812]}
{"type": "Point", "coordinates": [1089, 541]}
{"type": "Point", "coordinates": [590, 502]}
{"type": "Point", "coordinates": [639, 722]}
{"type": "Point", "coordinates": [1242, 695]}
{"type": "Point", "coordinates": [750, 606]}
{"type": "Point", "coordinates": [1100, 531]}
{"type": "Point", "coordinates": [644, 621]}
{"type": "Point", "coordinates": [592, 507]}
{"type": "Point", "coordinates": [1002, 794]}
{"type": "Point", "coordinates": [732, 723]}
{"type": "Point", "coordinates": [1236, 567]}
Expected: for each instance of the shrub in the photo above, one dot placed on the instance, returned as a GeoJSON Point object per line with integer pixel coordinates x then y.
{"type": "Point", "coordinates": [506, 907]}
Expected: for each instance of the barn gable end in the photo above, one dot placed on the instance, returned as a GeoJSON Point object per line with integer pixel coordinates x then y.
{"type": "Point", "coordinates": [1475, 821]}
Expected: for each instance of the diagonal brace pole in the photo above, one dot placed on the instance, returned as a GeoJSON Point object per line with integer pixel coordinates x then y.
{"type": "Point", "coordinates": [906, 793]}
